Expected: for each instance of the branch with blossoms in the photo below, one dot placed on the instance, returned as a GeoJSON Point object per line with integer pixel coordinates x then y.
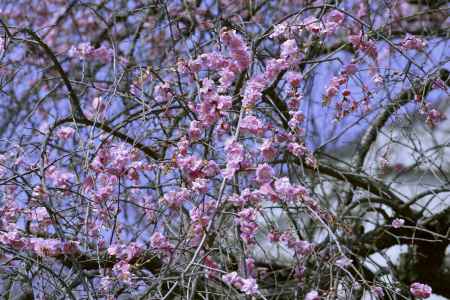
{"type": "Point", "coordinates": [223, 150]}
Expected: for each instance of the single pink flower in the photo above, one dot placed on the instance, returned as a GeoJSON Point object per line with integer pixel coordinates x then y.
{"type": "Point", "coordinates": [289, 51]}
{"type": "Point", "coordinates": [294, 78]}
{"type": "Point", "coordinates": [397, 223]}
{"type": "Point", "coordinates": [122, 270]}
{"type": "Point", "coordinates": [159, 242]}
{"type": "Point", "coordinates": [350, 69]}
{"type": "Point", "coordinates": [249, 286]}
{"type": "Point", "coordinates": [65, 133]}
{"type": "Point", "coordinates": [336, 17]}
{"type": "Point", "coordinates": [195, 130]}
{"type": "Point", "coordinates": [230, 278]}
{"type": "Point", "coordinates": [252, 125]}
{"type": "Point", "coordinates": [412, 42]}
{"type": "Point", "coordinates": [268, 150]}
{"type": "Point", "coordinates": [343, 262]}
{"type": "Point", "coordinates": [420, 290]}
{"type": "Point", "coordinates": [312, 295]}
{"type": "Point", "coordinates": [279, 30]}
{"type": "Point", "coordinates": [377, 292]}
{"type": "Point", "coordinates": [264, 173]}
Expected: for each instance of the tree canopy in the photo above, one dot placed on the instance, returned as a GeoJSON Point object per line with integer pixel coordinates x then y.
{"type": "Point", "coordinates": [224, 149]}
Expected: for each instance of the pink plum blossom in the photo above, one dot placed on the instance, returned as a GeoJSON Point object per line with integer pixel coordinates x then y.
{"type": "Point", "coordinates": [412, 42]}
{"type": "Point", "coordinates": [343, 262]}
{"type": "Point", "coordinates": [420, 290]}
{"type": "Point", "coordinates": [397, 223]}
{"type": "Point", "coordinates": [264, 173]}
{"type": "Point", "coordinates": [251, 124]}
{"type": "Point", "coordinates": [65, 133]}
{"type": "Point", "coordinates": [312, 295]}
{"type": "Point", "coordinates": [247, 222]}
{"type": "Point", "coordinates": [159, 242]}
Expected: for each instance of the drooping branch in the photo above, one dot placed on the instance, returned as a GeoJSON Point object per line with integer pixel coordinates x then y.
{"type": "Point", "coordinates": [73, 98]}
{"type": "Point", "coordinates": [371, 134]}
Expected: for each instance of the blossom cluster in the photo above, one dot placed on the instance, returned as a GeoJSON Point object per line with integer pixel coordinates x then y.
{"type": "Point", "coordinates": [85, 51]}
{"type": "Point", "coordinates": [40, 246]}
{"type": "Point", "coordinates": [246, 285]}
{"type": "Point", "coordinates": [420, 290]}
{"type": "Point", "coordinates": [193, 144]}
